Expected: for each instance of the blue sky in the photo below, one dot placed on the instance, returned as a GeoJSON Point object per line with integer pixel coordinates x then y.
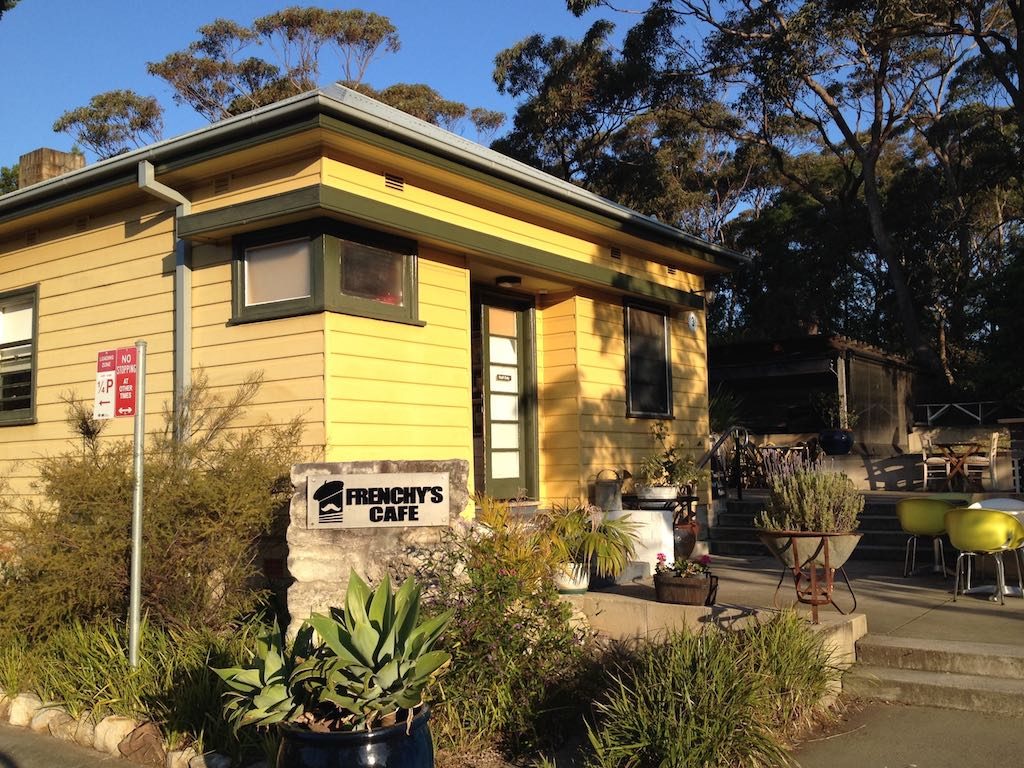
{"type": "Point", "coordinates": [57, 54]}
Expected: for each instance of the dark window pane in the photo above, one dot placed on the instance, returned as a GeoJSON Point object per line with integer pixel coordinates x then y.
{"type": "Point", "coordinates": [373, 273]}
{"type": "Point", "coordinates": [648, 390]}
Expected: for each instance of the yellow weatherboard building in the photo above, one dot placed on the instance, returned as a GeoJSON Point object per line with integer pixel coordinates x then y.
{"type": "Point", "coordinates": [413, 295]}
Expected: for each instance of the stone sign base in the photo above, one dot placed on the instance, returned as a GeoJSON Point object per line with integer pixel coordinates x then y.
{"type": "Point", "coordinates": [319, 559]}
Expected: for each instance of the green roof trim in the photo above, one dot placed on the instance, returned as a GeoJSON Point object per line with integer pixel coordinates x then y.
{"type": "Point", "coordinates": [321, 200]}
{"type": "Point", "coordinates": [339, 109]}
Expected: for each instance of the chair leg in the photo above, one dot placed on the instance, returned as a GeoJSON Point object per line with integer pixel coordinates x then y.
{"type": "Point", "coordinates": [956, 577]}
{"type": "Point", "coordinates": [906, 556]}
{"type": "Point", "coordinates": [1000, 578]}
{"type": "Point", "coordinates": [942, 556]}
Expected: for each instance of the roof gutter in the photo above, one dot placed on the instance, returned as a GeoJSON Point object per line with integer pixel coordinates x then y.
{"type": "Point", "coordinates": [353, 107]}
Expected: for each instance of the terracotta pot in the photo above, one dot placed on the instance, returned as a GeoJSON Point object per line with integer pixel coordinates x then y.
{"type": "Point", "coordinates": [685, 539]}
{"type": "Point", "coordinates": [685, 590]}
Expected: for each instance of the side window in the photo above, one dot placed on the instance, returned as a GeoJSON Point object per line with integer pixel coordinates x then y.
{"type": "Point", "coordinates": [18, 311]}
{"type": "Point", "coordinates": [316, 265]}
{"type": "Point", "coordinates": [648, 363]}
{"type": "Point", "coordinates": [277, 273]}
{"type": "Point", "coordinates": [376, 275]}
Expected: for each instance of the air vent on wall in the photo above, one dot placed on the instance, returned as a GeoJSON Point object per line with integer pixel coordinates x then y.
{"type": "Point", "coordinates": [221, 184]}
{"type": "Point", "coordinates": [397, 183]}
{"type": "Point", "coordinates": [616, 253]}
{"type": "Point", "coordinates": [32, 237]}
{"type": "Point", "coordinates": [670, 270]}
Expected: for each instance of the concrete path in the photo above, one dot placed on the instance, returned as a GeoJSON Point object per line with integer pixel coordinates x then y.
{"type": "Point", "coordinates": [21, 748]}
{"type": "Point", "coordinates": [895, 736]}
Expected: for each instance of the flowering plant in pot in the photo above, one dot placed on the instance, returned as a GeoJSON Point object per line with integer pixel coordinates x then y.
{"type": "Point", "coordinates": [349, 690]}
{"type": "Point", "coordinates": [687, 582]}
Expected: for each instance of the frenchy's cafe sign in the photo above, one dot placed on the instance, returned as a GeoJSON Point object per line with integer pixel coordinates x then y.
{"type": "Point", "coordinates": [377, 501]}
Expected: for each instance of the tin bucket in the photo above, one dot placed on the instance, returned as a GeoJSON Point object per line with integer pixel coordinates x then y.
{"type": "Point", "coordinates": [608, 490]}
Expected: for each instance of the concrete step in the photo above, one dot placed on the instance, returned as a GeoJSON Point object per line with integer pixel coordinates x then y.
{"type": "Point", "coordinates": [963, 658]}
{"type": "Point", "coordinates": [738, 548]}
{"type": "Point", "coordinates": [936, 689]}
{"type": "Point", "coordinates": [731, 533]}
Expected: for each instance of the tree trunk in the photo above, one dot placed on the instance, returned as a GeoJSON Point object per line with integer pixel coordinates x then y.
{"type": "Point", "coordinates": [922, 352]}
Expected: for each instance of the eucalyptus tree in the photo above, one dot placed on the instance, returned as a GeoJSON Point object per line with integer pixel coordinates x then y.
{"type": "Point", "coordinates": [113, 122]}
{"type": "Point", "coordinates": [835, 76]}
{"type": "Point", "coordinates": [596, 113]}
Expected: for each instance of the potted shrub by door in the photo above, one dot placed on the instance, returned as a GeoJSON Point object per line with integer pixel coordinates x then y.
{"type": "Point", "coordinates": [349, 690]}
{"type": "Point", "coordinates": [685, 582]}
{"type": "Point", "coordinates": [588, 542]}
{"type": "Point", "coordinates": [809, 524]}
{"type": "Point", "coordinates": [836, 438]}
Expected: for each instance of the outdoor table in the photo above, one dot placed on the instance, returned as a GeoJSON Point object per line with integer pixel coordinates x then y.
{"type": "Point", "coordinates": [1014, 508]}
{"type": "Point", "coordinates": [958, 453]}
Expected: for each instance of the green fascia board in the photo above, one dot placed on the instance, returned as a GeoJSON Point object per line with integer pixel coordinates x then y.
{"type": "Point", "coordinates": [319, 200]}
{"type": "Point", "coordinates": [639, 227]}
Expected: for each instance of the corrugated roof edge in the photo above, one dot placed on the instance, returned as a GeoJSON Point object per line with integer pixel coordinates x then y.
{"type": "Point", "coordinates": [352, 106]}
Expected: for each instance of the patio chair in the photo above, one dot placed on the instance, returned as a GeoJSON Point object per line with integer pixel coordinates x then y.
{"type": "Point", "coordinates": [978, 464]}
{"type": "Point", "coordinates": [934, 467]}
{"type": "Point", "coordinates": [923, 517]}
{"type": "Point", "coordinates": [983, 532]}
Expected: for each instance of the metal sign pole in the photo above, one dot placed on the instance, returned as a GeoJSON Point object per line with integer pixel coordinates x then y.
{"type": "Point", "coordinates": [138, 453]}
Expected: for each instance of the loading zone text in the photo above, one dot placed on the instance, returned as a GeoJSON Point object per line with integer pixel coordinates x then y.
{"type": "Point", "coordinates": [377, 501]}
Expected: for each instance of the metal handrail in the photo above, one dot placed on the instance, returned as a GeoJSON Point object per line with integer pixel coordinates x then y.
{"type": "Point", "coordinates": [742, 438]}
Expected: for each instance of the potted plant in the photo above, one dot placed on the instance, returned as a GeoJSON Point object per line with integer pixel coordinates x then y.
{"type": "Point", "coordinates": [588, 542]}
{"type": "Point", "coordinates": [809, 524]}
{"type": "Point", "coordinates": [836, 439]}
{"type": "Point", "coordinates": [350, 689]}
{"type": "Point", "coordinates": [685, 582]}
{"type": "Point", "coordinates": [667, 471]}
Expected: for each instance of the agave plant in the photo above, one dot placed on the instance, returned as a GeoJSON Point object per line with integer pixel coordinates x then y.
{"type": "Point", "coordinates": [351, 669]}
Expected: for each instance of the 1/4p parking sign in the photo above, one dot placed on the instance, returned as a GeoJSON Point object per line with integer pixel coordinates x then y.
{"type": "Point", "coordinates": [116, 383]}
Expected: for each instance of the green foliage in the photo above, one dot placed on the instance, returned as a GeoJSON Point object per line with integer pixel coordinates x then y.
{"type": "Point", "coordinates": [669, 465]}
{"type": "Point", "coordinates": [8, 179]}
{"type": "Point", "coordinates": [516, 656]}
{"type": "Point", "coordinates": [710, 699]}
{"type": "Point", "coordinates": [583, 534]}
{"type": "Point", "coordinates": [212, 491]}
{"type": "Point", "coordinates": [351, 670]}
{"type": "Point", "coordinates": [223, 73]}
{"type": "Point", "coordinates": [113, 122]}
{"type": "Point", "coordinates": [833, 416]}
{"type": "Point", "coordinates": [85, 667]}
{"type": "Point", "coordinates": [811, 498]}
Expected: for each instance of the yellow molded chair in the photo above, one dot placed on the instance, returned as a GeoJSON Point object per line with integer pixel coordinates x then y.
{"type": "Point", "coordinates": [923, 516]}
{"type": "Point", "coordinates": [983, 532]}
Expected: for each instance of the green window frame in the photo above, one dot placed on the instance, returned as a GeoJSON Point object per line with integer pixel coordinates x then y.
{"type": "Point", "coordinates": [18, 346]}
{"type": "Point", "coordinates": [339, 256]}
{"type": "Point", "coordinates": [648, 361]}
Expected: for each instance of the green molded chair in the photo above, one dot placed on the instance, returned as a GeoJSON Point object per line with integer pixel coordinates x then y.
{"type": "Point", "coordinates": [923, 516]}
{"type": "Point", "coordinates": [984, 532]}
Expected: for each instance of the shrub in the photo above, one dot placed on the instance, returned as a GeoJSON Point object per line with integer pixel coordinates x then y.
{"type": "Point", "coordinates": [211, 492]}
{"type": "Point", "coordinates": [515, 653]}
{"type": "Point", "coordinates": [811, 498]}
{"type": "Point", "coordinates": [85, 668]}
{"type": "Point", "coordinates": [716, 698]}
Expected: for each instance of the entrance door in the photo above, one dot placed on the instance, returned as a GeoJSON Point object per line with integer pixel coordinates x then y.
{"type": "Point", "coordinates": [504, 398]}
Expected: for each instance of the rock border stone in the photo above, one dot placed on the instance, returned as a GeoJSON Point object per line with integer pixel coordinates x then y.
{"type": "Point", "coordinates": [114, 735]}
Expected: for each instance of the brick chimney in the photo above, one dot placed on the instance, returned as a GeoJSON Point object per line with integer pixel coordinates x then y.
{"type": "Point", "coordinates": [44, 163]}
